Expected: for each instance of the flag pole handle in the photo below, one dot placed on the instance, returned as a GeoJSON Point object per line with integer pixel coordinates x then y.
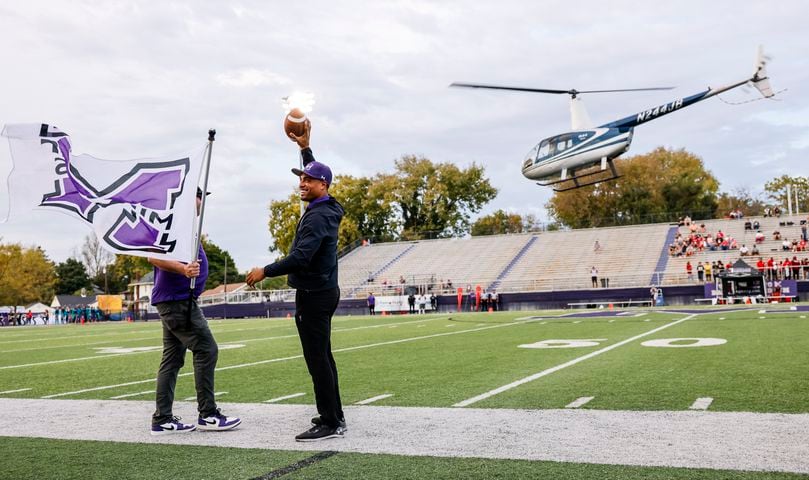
{"type": "Point", "coordinates": [211, 138]}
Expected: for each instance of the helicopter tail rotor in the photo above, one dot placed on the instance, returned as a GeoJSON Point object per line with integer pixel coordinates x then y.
{"type": "Point", "coordinates": [760, 79]}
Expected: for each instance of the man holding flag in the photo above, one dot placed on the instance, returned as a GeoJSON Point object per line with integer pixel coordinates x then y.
{"type": "Point", "coordinates": [144, 208]}
{"type": "Point", "coordinates": [185, 327]}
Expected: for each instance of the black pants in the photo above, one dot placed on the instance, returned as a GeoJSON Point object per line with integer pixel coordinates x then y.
{"type": "Point", "coordinates": [313, 312]}
{"type": "Point", "coordinates": [181, 333]}
{"type": "Point", "coordinates": [371, 309]}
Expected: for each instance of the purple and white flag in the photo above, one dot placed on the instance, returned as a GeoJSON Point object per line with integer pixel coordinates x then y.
{"type": "Point", "coordinates": [145, 207]}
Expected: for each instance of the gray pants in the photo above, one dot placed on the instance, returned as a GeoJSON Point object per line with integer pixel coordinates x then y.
{"type": "Point", "coordinates": [180, 334]}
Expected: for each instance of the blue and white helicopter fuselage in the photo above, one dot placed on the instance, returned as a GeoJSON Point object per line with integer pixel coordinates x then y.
{"type": "Point", "coordinates": [588, 151]}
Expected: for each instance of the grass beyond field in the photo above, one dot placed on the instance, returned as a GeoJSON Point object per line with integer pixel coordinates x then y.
{"type": "Point", "coordinates": [499, 360]}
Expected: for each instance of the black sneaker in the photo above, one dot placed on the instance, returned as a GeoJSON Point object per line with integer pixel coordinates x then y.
{"type": "Point", "coordinates": [318, 421]}
{"type": "Point", "coordinates": [320, 432]}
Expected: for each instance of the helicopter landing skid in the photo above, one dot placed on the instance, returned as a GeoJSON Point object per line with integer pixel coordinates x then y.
{"type": "Point", "coordinates": [575, 181]}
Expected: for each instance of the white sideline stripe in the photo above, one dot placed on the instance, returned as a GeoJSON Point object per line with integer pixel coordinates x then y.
{"type": "Point", "coordinates": [374, 399]}
{"type": "Point", "coordinates": [67, 360]}
{"type": "Point", "coordinates": [132, 394]}
{"type": "Point", "coordinates": [216, 394]}
{"type": "Point", "coordinates": [701, 403]}
{"type": "Point", "coordinates": [611, 321]}
{"type": "Point", "coordinates": [579, 402]}
{"type": "Point", "coordinates": [531, 378]}
{"type": "Point", "coordinates": [15, 391]}
{"type": "Point", "coordinates": [641, 314]}
{"type": "Point", "coordinates": [285, 397]}
{"type": "Point", "coordinates": [577, 321]}
{"type": "Point", "coordinates": [294, 357]}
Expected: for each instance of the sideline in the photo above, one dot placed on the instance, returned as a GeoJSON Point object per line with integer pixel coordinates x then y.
{"type": "Point", "coordinates": [684, 439]}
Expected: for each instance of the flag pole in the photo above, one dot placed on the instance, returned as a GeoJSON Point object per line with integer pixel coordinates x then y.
{"type": "Point", "coordinates": [211, 135]}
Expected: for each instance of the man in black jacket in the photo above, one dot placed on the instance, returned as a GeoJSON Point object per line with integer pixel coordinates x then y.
{"type": "Point", "coordinates": [311, 267]}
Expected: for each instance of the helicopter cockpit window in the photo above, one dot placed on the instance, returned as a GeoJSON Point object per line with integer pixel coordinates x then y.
{"type": "Point", "coordinates": [532, 155]}
{"type": "Point", "coordinates": [544, 149]}
{"type": "Point", "coordinates": [563, 143]}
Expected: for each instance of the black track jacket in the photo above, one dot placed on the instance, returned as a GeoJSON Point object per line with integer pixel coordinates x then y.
{"type": "Point", "coordinates": [312, 262]}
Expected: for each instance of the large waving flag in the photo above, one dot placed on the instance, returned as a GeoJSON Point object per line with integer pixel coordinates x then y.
{"type": "Point", "coordinates": [143, 207]}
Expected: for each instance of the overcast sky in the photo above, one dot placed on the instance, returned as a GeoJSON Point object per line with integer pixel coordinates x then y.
{"type": "Point", "coordinates": [140, 79]}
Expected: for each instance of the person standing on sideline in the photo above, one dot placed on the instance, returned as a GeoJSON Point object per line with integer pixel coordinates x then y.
{"type": "Point", "coordinates": [371, 303]}
{"type": "Point", "coordinates": [594, 276]}
{"type": "Point", "coordinates": [411, 303]}
{"type": "Point", "coordinates": [311, 267]}
{"type": "Point", "coordinates": [422, 304]}
{"type": "Point", "coordinates": [185, 328]}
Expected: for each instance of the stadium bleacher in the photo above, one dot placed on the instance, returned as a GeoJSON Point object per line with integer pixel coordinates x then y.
{"type": "Point", "coordinates": [629, 256]}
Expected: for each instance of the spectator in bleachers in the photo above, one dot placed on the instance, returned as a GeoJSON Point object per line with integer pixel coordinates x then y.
{"type": "Point", "coordinates": [771, 268]}
{"type": "Point", "coordinates": [689, 269]}
{"type": "Point", "coordinates": [371, 303]}
{"type": "Point", "coordinates": [449, 284]}
{"type": "Point", "coordinates": [777, 212]}
{"type": "Point", "coordinates": [596, 247]}
{"type": "Point", "coordinates": [796, 267]}
{"type": "Point", "coordinates": [776, 235]}
{"type": "Point", "coordinates": [786, 245]}
{"type": "Point", "coordinates": [761, 266]}
{"type": "Point", "coordinates": [754, 251]}
{"type": "Point", "coordinates": [748, 225]}
{"type": "Point", "coordinates": [785, 270]}
{"type": "Point", "coordinates": [759, 237]}
{"type": "Point", "coordinates": [802, 246]}
{"type": "Point", "coordinates": [805, 265]}
{"type": "Point", "coordinates": [700, 272]}
{"type": "Point", "coordinates": [708, 272]}
{"type": "Point", "coordinates": [756, 225]}
{"type": "Point", "coordinates": [767, 212]}
{"type": "Point", "coordinates": [744, 250]}
{"type": "Point", "coordinates": [594, 276]}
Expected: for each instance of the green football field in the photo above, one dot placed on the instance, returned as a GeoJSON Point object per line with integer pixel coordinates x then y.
{"type": "Point", "coordinates": [740, 361]}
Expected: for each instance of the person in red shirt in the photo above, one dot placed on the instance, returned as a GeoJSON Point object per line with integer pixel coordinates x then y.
{"type": "Point", "coordinates": [770, 268]}
{"type": "Point", "coordinates": [785, 272]}
{"type": "Point", "coordinates": [690, 271]}
{"type": "Point", "coordinates": [796, 267]}
{"type": "Point", "coordinates": [760, 265]}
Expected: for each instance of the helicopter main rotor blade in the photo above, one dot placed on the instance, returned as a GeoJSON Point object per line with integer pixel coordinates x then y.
{"type": "Point", "coordinates": [572, 91]}
{"type": "Point", "coordinates": [624, 90]}
{"type": "Point", "coordinates": [518, 89]}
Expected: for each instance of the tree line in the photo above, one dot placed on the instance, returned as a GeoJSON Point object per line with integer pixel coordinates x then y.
{"type": "Point", "coordinates": [27, 275]}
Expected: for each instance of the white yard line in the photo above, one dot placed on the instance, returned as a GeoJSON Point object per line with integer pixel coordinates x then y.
{"type": "Point", "coordinates": [531, 378]}
{"type": "Point", "coordinates": [579, 402]}
{"type": "Point", "coordinates": [736, 441]}
{"type": "Point", "coordinates": [293, 357]}
{"type": "Point", "coordinates": [374, 399]}
{"type": "Point", "coordinates": [132, 394]}
{"type": "Point", "coordinates": [285, 397]}
{"type": "Point", "coordinates": [701, 403]}
{"type": "Point", "coordinates": [15, 391]}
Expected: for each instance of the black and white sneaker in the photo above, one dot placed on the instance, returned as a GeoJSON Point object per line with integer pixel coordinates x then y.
{"type": "Point", "coordinates": [319, 421]}
{"type": "Point", "coordinates": [320, 432]}
{"type": "Point", "coordinates": [174, 425]}
{"type": "Point", "coordinates": [218, 422]}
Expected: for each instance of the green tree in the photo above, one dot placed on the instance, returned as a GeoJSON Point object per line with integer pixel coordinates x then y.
{"type": "Point", "coordinates": [71, 277]}
{"type": "Point", "coordinates": [419, 199]}
{"type": "Point", "coordinates": [501, 222]}
{"type": "Point", "coordinates": [776, 190]}
{"type": "Point", "coordinates": [217, 259]}
{"type": "Point", "coordinates": [26, 275]}
{"type": "Point", "coordinates": [123, 271]}
{"type": "Point", "coordinates": [435, 199]}
{"type": "Point", "coordinates": [653, 187]}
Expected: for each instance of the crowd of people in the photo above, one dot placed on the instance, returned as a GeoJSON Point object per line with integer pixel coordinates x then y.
{"type": "Point", "coordinates": [60, 315]}
{"type": "Point", "coordinates": [786, 269]}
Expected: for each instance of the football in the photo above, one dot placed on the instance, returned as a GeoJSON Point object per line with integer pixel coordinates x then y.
{"type": "Point", "coordinates": [294, 122]}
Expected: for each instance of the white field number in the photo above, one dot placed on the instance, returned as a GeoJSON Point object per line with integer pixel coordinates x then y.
{"type": "Point", "coordinates": [578, 343]}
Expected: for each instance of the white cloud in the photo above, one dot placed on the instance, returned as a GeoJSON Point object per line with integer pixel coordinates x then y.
{"type": "Point", "coordinates": [252, 77]}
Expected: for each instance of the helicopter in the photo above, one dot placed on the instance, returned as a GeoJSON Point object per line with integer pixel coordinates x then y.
{"type": "Point", "coordinates": [584, 156]}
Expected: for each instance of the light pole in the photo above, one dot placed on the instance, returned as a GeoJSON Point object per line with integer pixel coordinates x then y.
{"type": "Point", "coordinates": [303, 101]}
